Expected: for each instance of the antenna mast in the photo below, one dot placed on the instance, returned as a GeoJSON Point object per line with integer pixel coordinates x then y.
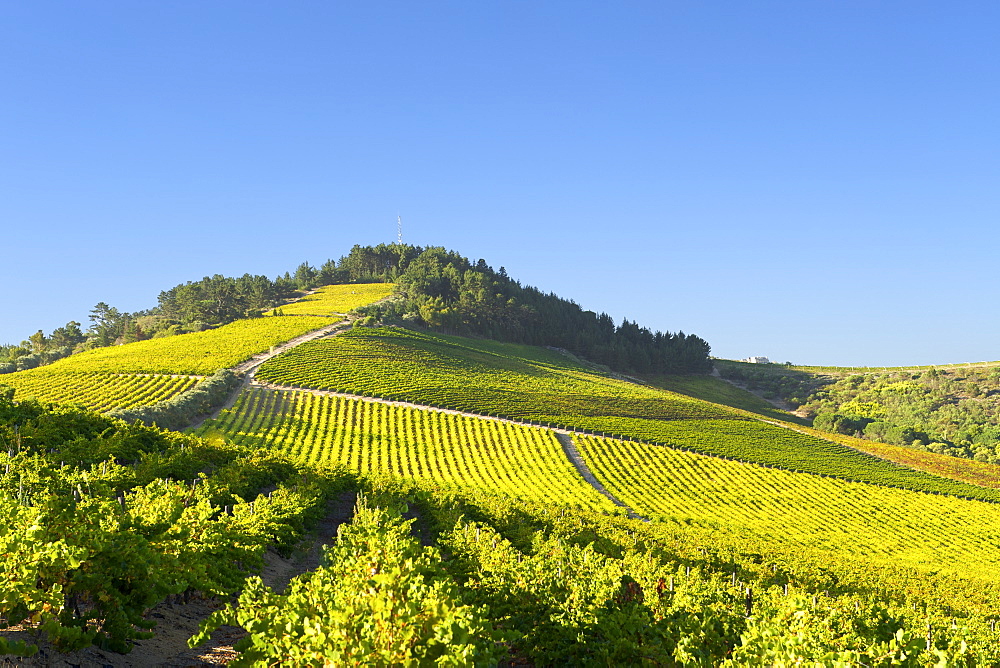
{"type": "Point", "coordinates": [399, 230]}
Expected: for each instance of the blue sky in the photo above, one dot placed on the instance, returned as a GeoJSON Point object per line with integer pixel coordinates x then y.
{"type": "Point", "coordinates": [811, 181]}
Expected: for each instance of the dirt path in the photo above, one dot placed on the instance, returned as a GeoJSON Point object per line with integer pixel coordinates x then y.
{"type": "Point", "coordinates": [279, 571]}
{"type": "Point", "coordinates": [251, 364]}
{"type": "Point", "coordinates": [249, 367]}
{"type": "Point", "coordinates": [569, 447]}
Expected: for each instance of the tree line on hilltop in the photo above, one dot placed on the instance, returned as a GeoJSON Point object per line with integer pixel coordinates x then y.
{"type": "Point", "coordinates": [436, 289]}
{"type": "Point", "coordinates": [444, 291]}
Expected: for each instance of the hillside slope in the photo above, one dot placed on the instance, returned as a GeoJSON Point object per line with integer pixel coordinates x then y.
{"type": "Point", "coordinates": [759, 535]}
{"type": "Point", "coordinates": [528, 383]}
{"type": "Point", "coordinates": [146, 372]}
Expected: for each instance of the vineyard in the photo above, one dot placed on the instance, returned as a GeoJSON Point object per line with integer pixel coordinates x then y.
{"type": "Point", "coordinates": [148, 372]}
{"type": "Point", "coordinates": [880, 523]}
{"type": "Point", "coordinates": [464, 533]}
{"type": "Point", "coordinates": [96, 390]}
{"type": "Point", "coordinates": [520, 560]}
{"type": "Point", "coordinates": [103, 520]}
{"type": "Point", "coordinates": [198, 353]}
{"type": "Point", "coordinates": [684, 487]}
{"type": "Point", "coordinates": [474, 375]}
{"type": "Point", "coordinates": [337, 299]}
{"type": "Point", "coordinates": [515, 581]}
{"type": "Point", "coordinates": [526, 383]}
{"type": "Point", "coordinates": [372, 437]}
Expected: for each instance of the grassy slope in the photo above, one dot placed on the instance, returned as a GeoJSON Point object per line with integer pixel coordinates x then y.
{"type": "Point", "coordinates": [718, 391]}
{"type": "Point", "coordinates": [525, 382]}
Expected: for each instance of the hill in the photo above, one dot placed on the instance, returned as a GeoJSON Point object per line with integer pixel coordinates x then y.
{"type": "Point", "coordinates": [487, 501]}
{"type": "Point", "coordinates": [443, 291]}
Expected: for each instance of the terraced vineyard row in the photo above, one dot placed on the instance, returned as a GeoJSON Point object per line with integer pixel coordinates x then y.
{"type": "Point", "coordinates": [98, 391]}
{"type": "Point", "coordinates": [372, 437]}
{"type": "Point", "coordinates": [897, 526]}
{"type": "Point", "coordinates": [718, 391]}
{"type": "Point", "coordinates": [338, 299]}
{"type": "Point", "coordinates": [784, 448]}
{"type": "Point", "coordinates": [473, 375]}
{"type": "Point", "coordinates": [534, 384]}
{"type": "Point", "coordinates": [198, 353]}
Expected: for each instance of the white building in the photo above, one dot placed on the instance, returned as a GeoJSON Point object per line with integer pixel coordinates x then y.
{"type": "Point", "coordinates": [757, 360]}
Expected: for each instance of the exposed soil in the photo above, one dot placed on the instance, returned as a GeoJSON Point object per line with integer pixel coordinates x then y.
{"type": "Point", "coordinates": [569, 447]}
{"type": "Point", "coordinates": [420, 529]}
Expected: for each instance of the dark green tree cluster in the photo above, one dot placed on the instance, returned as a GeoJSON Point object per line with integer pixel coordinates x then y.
{"type": "Point", "coordinates": [444, 291]}
{"type": "Point", "coordinates": [219, 299]}
{"type": "Point", "coordinates": [373, 264]}
{"type": "Point", "coordinates": [40, 349]}
{"type": "Point", "coordinates": [109, 326]}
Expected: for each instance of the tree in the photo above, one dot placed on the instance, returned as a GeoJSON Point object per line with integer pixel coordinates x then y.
{"type": "Point", "coordinates": [305, 276]}
{"type": "Point", "coordinates": [329, 273]}
{"type": "Point", "coordinates": [256, 292]}
{"type": "Point", "coordinates": [69, 335]}
{"type": "Point", "coordinates": [107, 324]}
{"type": "Point", "coordinates": [220, 299]}
{"type": "Point", "coordinates": [38, 342]}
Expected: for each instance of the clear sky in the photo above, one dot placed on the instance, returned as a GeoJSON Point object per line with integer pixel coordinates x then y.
{"type": "Point", "coordinates": [811, 181]}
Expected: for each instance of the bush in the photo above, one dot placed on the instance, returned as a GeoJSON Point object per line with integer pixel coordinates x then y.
{"type": "Point", "coordinates": [181, 410]}
{"type": "Point", "coordinates": [379, 599]}
{"type": "Point", "coordinates": [31, 361]}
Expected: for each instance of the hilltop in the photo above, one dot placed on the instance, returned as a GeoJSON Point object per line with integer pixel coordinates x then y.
{"type": "Point", "coordinates": [497, 475]}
